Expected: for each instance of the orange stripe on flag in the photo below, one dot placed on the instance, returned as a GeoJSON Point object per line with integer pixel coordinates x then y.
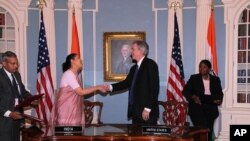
{"type": "Point", "coordinates": [211, 38]}
{"type": "Point", "coordinates": [75, 47]}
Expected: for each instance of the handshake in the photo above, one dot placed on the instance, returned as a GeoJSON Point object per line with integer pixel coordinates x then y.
{"type": "Point", "coordinates": [103, 88]}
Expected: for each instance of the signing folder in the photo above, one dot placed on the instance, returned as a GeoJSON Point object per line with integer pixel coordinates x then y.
{"type": "Point", "coordinates": [27, 101]}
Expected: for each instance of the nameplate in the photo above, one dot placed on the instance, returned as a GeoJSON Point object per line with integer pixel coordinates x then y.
{"type": "Point", "coordinates": [71, 129]}
{"type": "Point", "coordinates": [155, 130]}
{"type": "Point", "coordinates": [68, 134]}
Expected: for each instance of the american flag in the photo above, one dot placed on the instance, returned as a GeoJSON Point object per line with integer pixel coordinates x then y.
{"type": "Point", "coordinates": [176, 74]}
{"type": "Point", "coordinates": [44, 79]}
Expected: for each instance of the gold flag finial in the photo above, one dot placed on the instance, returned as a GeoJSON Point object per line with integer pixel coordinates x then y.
{"type": "Point", "coordinates": [212, 4]}
{"type": "Point", "coordinates": [41, 3]}
{"type": "Point", "coordinates": [73, 9]}
{"type": "Point", "coordinates": [175, 5]}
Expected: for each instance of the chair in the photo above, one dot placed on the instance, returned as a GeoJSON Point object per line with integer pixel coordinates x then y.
{"type": "Point", "coordinates": [88, 111]}
{"type": "Point", "coordinates": [175, 113]}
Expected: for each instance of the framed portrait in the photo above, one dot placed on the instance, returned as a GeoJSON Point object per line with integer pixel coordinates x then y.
{"type": "Point", "coordinates": [117, 58]}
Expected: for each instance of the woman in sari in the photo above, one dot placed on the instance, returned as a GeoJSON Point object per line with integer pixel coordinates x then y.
{"type": "Point", "coordinates": [69, 100]}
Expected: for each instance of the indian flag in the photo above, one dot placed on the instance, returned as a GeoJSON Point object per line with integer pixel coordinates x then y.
{"type": "Point", "coordinates": [211, 54]}
{"type": "Point", "coordinates": [75, 47]}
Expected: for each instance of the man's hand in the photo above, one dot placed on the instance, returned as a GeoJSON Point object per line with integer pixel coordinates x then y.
{"type": "Point", "coordinates": [34, 103]}
{"type": "Point", "coordinates": [107, 87]}
{"type": "Point", "coordinates": [145, 115]}
{"type": "Point", "coordinates": [196, 99]}
{"type": "Point", "coordinates": [218, 102]}
{"type": "Point", "coordinates": [15, 115]}
{"type": "Point", "coordinates": [102, 88]}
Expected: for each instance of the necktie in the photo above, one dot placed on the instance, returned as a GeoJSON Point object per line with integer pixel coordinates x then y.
{"type": "Point", "coordinates": [131, 92]}
{"type": "Point", "coordinates": [15, 88]}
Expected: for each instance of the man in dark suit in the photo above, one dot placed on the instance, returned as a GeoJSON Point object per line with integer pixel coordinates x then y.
{"type": "Point", "coordinates": [143, 84]}
{"type": "Point", "coordinates": [12, 92]}
{"type": "Point", "coordinates": [204, 93]}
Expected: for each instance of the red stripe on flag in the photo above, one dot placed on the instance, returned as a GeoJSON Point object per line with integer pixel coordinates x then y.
{"type": "Point", "coordinates": [47, 96]}
{"type": "Point", "coordinates": [175, 72]}
{"type": "Point", "coordinates": [49, 76]}
{"type": "Point", "coordinates": [175, 87]}
{"type": "Point", "coordinates": [42, 111]}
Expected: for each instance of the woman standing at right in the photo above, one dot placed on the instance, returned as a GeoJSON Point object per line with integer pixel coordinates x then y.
{"type": "Point", "coordinates": [204, 93]}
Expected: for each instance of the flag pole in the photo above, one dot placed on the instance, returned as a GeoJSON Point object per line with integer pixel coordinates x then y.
{"type": "Point", "coordinates": [73, 10]}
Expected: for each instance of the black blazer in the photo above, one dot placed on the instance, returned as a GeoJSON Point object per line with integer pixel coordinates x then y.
{"type": "Point", "coordinates": [146, 88]}
{"type": "Point", "coordinates": [195, 86]}
{"type": "Point", "coordinates": [7, 98]}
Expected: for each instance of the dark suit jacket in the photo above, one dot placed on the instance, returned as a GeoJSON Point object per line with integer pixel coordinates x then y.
{"type": "Point", "coordinates": [195, 86]}
{"type": "Point", "coordinates": [7, 99]}
{"type": "Point", "coordinates": [146, 89]}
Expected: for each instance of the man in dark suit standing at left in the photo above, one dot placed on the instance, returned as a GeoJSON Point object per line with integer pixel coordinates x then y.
{"type": "Point", "coordinates": [12, 92]}
{"type": "Point", "coordinates": [143, 84]}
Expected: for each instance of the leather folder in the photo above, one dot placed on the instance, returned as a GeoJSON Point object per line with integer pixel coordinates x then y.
{"type": "Point", "coordinates": [27, 101]}
{"type": "Point", "coordinates": [31, 118]}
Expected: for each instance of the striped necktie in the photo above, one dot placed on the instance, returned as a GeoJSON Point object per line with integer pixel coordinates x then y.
{"type": "Point", "coordinates": [15, 88]}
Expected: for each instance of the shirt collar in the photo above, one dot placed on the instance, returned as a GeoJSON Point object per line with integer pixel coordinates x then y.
{"type": "Point", "coordinates": [140, 61]}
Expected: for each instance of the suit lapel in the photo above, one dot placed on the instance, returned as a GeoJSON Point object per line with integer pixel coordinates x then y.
{"type": "Point", "coordinates": [6, 76]}
{"type": "Point", "coordinates": [7, 79]}
{"type": "Point", "coordinates": [210, 83]}
{"type": "Point", "coordinates": [202, 84]}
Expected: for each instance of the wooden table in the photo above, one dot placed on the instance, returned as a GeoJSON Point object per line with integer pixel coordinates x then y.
{"type": "Point", "coordinates": [115, 132]}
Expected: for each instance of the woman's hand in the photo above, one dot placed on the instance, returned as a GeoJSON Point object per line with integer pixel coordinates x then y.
{"type": "Point", "coordinates": [102, 88]}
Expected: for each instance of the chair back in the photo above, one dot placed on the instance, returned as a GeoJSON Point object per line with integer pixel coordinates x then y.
{"type": "Point", "coordinates": [88, 111]}
{"type": "Point", "coordinates": [175, 113]}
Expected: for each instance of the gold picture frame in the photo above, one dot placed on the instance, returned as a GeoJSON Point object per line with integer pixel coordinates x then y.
{"type": "Point", "coordinates": [113, 42]}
